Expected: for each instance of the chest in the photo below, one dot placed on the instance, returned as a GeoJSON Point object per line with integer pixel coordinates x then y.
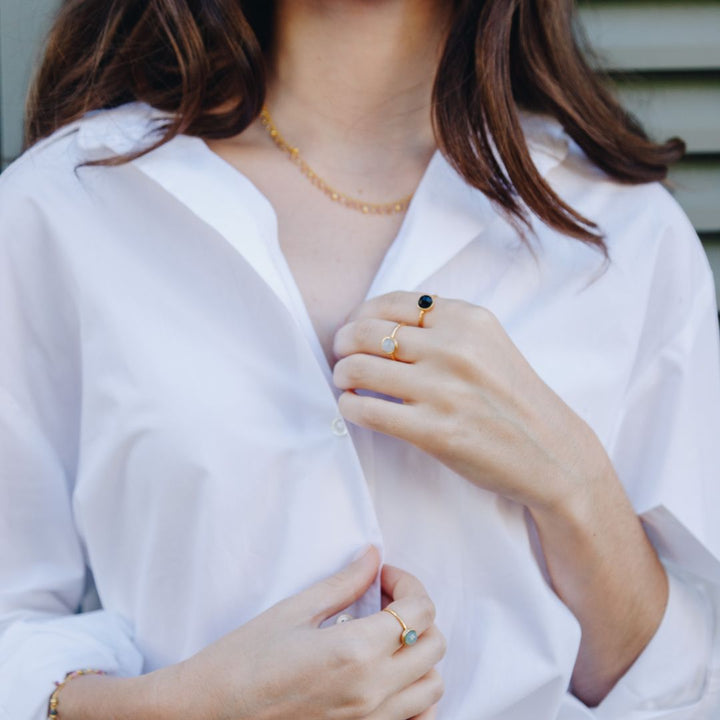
{"type": "Point", "coordinates": [333, 252]}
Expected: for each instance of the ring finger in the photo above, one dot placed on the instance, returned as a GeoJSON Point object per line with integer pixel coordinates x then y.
{"type": "Point", "coordinates": [407, 307]}
{"type": "Point", "coordinates": [366, 336]}
{"type": "Point", "coordinates": [415, 612]}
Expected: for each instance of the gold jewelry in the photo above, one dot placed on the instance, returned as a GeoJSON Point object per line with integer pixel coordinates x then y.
{"type": "Point", "coordinates": [426, 303]}
{"type": "Point", "coordinates": [367, 208]}
{"type": "Point", "coordinates": [407, 637]}
{"type": "Point", "coordinates": [53, 713]}
{"type": "Point", "coordinates": [389, 344]}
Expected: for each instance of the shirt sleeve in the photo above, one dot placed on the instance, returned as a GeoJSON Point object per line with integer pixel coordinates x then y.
{"type": "Point", "coordinates": [677, 674]}
{"type": "Point", "coordinates": [43, 574]}
{"type": "Point", "coordinates": [667, 452]}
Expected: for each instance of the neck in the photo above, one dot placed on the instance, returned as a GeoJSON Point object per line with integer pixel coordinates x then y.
{"type": "Point", "coordinates": [355, 77]}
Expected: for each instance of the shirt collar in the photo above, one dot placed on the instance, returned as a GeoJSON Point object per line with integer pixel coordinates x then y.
{"type": "Point", "coordinates": [121, 130]}
{"type": "Point", "coordinates": [446, 214]}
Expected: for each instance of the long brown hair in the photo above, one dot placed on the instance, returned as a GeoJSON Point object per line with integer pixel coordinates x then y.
{"type": "Point", "coordinates": [193, 57]}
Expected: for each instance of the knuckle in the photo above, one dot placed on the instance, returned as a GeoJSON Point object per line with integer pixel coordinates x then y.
{"type": "Point", "coordinates": [437, 687]}
{"type": "Point", "coordinates": [368, 703]}
{"type": "Point", "coordinates": [484, 318]}
{"type": "Point", "coordinates": [346, 405]}
{"type": "Point", "coordinates": [448, 399]}
{"type": "Point", "coordinates": [443, 645]}
{"type": "Point", "coordinates": [440, 645]}
{"type": "Point", "coordinates": [330, 589]}
{"type": "Point", "coordinates": [353, 654]}
{"type": "Point", "coordinates": [397, 299]}
{"type": "Point", "coordinates": [427, 611]}
{"type": "Point", "coordinates": [364, 332]}
{"type": "Point", "coordinates": [461, 353]}
{"type": "Point", "coordinates": [353, 407]}
{"type": "Point", "coordinates": [341, 342]}
{"type": "Point", "coordinates": [351, 371]}
{"type": "Point", "coordinates": [340, 377]}
{"type": "Point", "coordinates": [450, 435]}
{"type": "Point", "coordinates": [455, 310]}
{"type": "Point", "coordinates": [366, 413]}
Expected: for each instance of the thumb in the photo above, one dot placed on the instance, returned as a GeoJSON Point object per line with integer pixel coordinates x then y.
{"type": "Point", "coordinates": [330, 596]}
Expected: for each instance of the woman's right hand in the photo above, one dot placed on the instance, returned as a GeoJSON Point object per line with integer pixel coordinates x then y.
{"type": "Point", "coordinates": [281, 665]}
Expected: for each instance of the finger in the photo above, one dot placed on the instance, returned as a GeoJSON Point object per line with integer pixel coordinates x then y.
{"type": "Point", "coordinates": [395, 667]}
{"type": "Point", "coordinates": [367, 372]}
{"type": "Point", "coordinates": [415, 700]}
{"type": "Point", "coordinates": [367, 334]}
{"type": "Point", "coordinates": [397, 583]}
{"type": "Point", "coordinates": [337, 592]}
{"type": "Point", "coordinates": [385, 416]}
{"type": "Point", "coordinates": [413, 662]}
{"type": "Point", "coordinates": [397, 306]}
{"type": "Point", "coordinates": [384, 631]}
{"type": "Point", "coordinates": [410, 600]}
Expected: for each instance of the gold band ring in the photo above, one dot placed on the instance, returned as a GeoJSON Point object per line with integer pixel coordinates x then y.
{"type": "Point", "coordinates": [426, 303]}
{"type": "Point", "coordinates": [407, 636]}
{"type": "Point", "coordinates": [389, 344]}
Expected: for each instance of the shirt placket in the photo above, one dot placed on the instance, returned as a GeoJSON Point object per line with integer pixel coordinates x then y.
{"type": "Point", "coordinates": [235, 209]}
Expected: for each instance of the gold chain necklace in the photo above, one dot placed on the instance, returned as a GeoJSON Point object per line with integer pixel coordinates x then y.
{"type": "Point", "coordinates": [367, 208]}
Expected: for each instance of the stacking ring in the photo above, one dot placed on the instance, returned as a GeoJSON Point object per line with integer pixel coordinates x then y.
{"type": "Point", "coordinates": [426, 303]}
{"type": "Point", "coordinates": [408, 636]}
{"type": "Point", "coordinates": [389, 344]}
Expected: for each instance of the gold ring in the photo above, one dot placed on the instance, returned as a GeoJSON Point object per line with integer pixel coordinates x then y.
{"type": "Point", "coordinates": [389, 344]}
{"type": "Point", "coordinates": [407, 636]}
{"type": "Point", "coordinates": [426, 303]}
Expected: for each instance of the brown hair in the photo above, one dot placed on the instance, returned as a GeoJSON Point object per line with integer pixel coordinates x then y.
{"type": "Point", "coordinates": [204, 62]}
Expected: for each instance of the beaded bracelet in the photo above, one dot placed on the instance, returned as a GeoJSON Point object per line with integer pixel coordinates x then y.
{"type": "Point", "coordinates": [54, 698]}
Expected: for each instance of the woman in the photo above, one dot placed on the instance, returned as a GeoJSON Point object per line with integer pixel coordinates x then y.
{"type": "Point", "coordinates": [526, 354]}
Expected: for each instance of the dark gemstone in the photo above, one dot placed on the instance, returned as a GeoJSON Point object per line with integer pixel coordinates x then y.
{"type": "Point", "coordinates": [425, 302]}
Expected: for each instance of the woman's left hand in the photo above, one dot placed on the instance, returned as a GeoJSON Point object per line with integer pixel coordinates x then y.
{"type": "Point", "coordinates": [470, 399]}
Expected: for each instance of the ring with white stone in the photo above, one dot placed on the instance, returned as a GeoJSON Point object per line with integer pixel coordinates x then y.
{"type": "Point", "coordinates": [389, 344]}
{"type": "Point", "coordinates": [345, 617]}
{"type": "Point", "coordinates": [408, 636]}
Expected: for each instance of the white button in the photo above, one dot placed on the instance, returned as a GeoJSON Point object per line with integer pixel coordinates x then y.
{"type": "Point", "coordinates": [339, 427]}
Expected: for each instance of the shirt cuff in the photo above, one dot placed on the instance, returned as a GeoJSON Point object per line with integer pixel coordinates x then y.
{"type": "Point", "coordinates": [673, 670]}
{"type": "Point", "coordinates": [34, 654]}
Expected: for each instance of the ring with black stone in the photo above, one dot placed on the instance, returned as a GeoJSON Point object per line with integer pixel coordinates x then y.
{"type": "Point", "coordinates": [426, 303]}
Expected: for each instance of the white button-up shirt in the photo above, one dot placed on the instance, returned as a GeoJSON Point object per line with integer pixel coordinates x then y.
{"type": "Point", "coordinates": [170, 431]}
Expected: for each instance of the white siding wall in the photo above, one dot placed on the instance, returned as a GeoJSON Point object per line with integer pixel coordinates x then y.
{"type": "Point", "coordinates": [23, 24]}
{"type": "Point", "coordinates": [665, 58]}
{"type": "Point", "coordinates": [664, 54]}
